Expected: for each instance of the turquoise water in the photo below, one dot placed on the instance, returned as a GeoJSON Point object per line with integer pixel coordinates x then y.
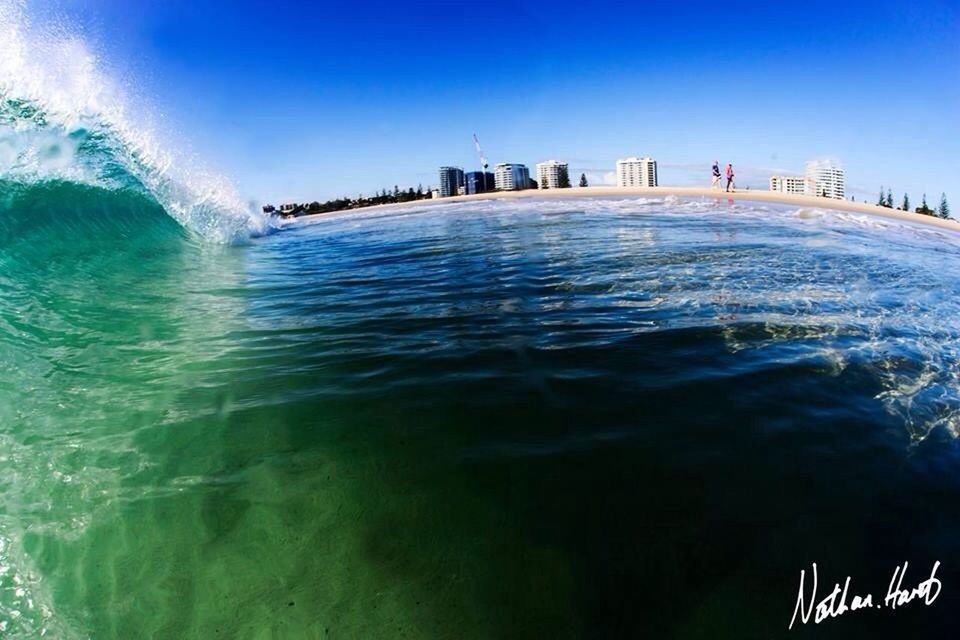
{"type": "Point", "coordinates": [580, 418]}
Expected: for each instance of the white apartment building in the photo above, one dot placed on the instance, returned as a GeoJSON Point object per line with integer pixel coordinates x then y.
{"type": "Point", "coordinates": [789, 184]}
{"type": "Point", "coordinates": [825, 178]}
{"type": "Point", "coordinates": [553, 174]}
{"type": "Point", "coordinates": [637, 172]}
{"type": "Point", "coordinates": [511, 177]}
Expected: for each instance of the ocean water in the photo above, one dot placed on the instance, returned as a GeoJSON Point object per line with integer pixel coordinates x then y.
{"type": "Point", "coordinates": [563, 418]}
{"type": "Point", "coordinates": [573, 418]}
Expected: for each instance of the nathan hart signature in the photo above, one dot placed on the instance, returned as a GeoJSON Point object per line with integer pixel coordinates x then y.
{"type": "Point", "coordinates": [840, 601]}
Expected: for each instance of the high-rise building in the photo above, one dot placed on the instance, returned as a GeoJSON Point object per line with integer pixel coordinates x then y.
{"type": "Point", "coordinates": [451, 179]}
{"type": "Point", "coordinates": [825, 178]}
{"type": "Point", "coordinates": [479, 182]}
{"type": "Point", "coordinates": [553, 175]}
{"type": "Point", "coordinates": [789, 184]}
{"type": "Point", "coordinates": [511, 177]}
{"type": "Point", "coordinates": [637, 172]}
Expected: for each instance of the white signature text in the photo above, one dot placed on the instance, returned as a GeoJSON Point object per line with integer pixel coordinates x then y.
{"type": "Point", "coordinates": [840, 600]}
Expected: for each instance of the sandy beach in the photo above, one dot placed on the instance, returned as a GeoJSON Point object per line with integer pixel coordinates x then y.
{"type": "Point", "coordinates": [683, 192]}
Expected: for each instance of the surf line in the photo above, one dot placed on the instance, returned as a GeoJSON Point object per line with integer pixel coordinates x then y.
{"type": "Point", "coordinates": [835, 603]}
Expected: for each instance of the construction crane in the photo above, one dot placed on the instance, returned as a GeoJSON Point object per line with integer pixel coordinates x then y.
{"type": "Point", "coordinates": [483, 160]}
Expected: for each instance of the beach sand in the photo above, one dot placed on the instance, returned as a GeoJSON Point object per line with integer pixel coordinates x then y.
{"type": "Point", "coordinates": [683, 192]}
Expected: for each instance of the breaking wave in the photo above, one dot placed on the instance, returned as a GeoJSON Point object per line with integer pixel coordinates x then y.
{"type": "Point", "coordinates": [64, 120]}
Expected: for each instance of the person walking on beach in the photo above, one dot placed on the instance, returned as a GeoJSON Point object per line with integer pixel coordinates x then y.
{"type": "Point", "coordinates": [716, 175]}
{"type": "Point", "coordinates": [730, 177]}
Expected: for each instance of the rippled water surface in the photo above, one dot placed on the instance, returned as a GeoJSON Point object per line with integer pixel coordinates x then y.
{"type": "Point", "coordinates": [526, 418]}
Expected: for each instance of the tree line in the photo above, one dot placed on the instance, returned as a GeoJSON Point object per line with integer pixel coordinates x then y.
{"type": "Point", "coordinates": [943, 211]}
{"type": "Point", "coordinates": [384, 196]}
{"type": "Point", "coordinates": [564, 179]}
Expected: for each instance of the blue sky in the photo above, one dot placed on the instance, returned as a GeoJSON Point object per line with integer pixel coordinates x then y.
{"type": "Point", "coordinates": [303, 101]}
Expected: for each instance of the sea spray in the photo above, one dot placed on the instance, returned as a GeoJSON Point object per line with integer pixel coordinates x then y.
{"type": "Point", "coordinates": [63, 118]}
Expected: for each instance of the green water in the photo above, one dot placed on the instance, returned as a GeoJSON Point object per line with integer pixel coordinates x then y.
{"type": "Point", "coordinates": [539, 420]}
{"type": "Point", "coordinates": [185, 458]}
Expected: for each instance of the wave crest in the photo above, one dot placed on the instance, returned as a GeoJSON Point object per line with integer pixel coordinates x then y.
{"type": "Point", "coordinates": [63, 119]}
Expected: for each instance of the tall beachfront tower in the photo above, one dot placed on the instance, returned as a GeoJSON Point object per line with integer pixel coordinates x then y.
{"type": "Point", "coordinates": [553, 174]}
{"type": "Point", "coordinates": [511, 177]}
{"type": "Point", "coordinates": [637, 172]}
{"type": "Point", "coordinates": [826, 178]}
{"type": "Point", "coordinates": [451, 179]}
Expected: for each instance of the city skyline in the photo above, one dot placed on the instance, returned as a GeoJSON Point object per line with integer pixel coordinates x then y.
{"type": "Point", "coordinates": [295, 106]}
{"type": "Point", "coordinates": [820, 177]}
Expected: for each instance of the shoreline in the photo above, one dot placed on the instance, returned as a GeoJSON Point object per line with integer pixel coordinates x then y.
{"type": "Point", "coordinates": [775, 197]}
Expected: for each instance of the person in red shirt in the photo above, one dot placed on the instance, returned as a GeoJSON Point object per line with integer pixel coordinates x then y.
{"type": "Point", "coordinates": [730, 177]}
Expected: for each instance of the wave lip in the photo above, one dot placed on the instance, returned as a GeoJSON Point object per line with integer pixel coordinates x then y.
{"type": "Point", "coordinates": [62, 118]}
